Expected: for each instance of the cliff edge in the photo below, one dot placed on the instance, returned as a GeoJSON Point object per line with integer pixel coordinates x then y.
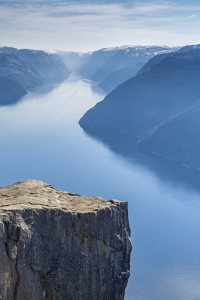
{"type": "Point", "coordinates": [60, 245]}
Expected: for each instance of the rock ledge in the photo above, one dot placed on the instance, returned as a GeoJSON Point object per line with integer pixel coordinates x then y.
{"type": "Point", "coordinates": [60, 245]}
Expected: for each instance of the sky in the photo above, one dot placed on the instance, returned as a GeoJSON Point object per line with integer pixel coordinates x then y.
{"type": "Point", "coordinates": [91, 25]}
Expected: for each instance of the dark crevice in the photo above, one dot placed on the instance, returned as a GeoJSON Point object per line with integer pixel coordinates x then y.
{"type": "Point", "coordinates": [16, 267]}
{"type": "Point", "coordinates": [6, 230]}
{"type": "Point", "coordinates": [7, 250]}
{"type": "Point", "coordinates": [17, 282]}
{"type": "Point", "coordinates": [48, 292]}
{"type": "Point", "coordinates": [6, 227]}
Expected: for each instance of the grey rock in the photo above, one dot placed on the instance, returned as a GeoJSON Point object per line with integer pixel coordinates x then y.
{"type": "Point", "coordinates": [59, 245]}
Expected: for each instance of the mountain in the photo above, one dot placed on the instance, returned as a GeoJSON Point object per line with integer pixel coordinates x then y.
{"type": "Point", "coordinates": [142, 105]}
{"type": "Point", "coordinates": [95, 62]}
{"type": "Point", "coordinates": [10, 91]}
{"type": "Point", "coordinates": [73, 61]}
{"type": "Point", "coordinates": [102, 62]}
{"type": "Point", "coordinates": [156, 59]}
{"type": "Point", "coordinates": [8, 50]}
{"type": "Point", "coordinates": [48, 65]}
{"type": "Point", "coordinates": [27, 68]}
{"type": "Point", "coordinates": [177, 138]}
{"type": "Point", "coordinates": [189, 48]}
{"type": "Point", "coordinates": [16, 68]}
{"type": "Point", "coordinates": [117, 77]}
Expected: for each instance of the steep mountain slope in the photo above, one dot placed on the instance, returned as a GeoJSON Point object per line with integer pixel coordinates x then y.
{"type": "Point", "coordinates": [47, 65]}
{"type": "Point", "coordinates": [16, 68]}
{"type": "Point", "coordinates": [10, 91]}
{"type": "Point", "coordinates": [102, 62]}
{"type": "Point", "coordinates": [117, 77]}
{"type": "Point", "coordinates": [156, 59]}
{"type": "Point", "coordinates": [177, 138]}
{"type": "Point", "coordinates": [95, 62]}
{"type": "Point", "coordinates": [189, 48]}
{"type": "Point", "coordinates": [141, 106]}
{"type": "Point", "coordinates": [28, 68]}
{"type": "Point", "coordinates": [153, 61]}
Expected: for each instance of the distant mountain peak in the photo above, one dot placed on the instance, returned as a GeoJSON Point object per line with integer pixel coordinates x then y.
{"type": "Point", "coordinates": [137, 47]}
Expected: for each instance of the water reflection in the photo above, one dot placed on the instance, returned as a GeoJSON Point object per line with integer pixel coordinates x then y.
{"type": "Point", "coordinates": [166, 170]}
{"type": "Point", "coordinates": [47, 87]}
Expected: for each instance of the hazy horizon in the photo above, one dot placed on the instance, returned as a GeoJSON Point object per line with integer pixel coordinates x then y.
{"type": "Point", "coordinates": [90, 51]}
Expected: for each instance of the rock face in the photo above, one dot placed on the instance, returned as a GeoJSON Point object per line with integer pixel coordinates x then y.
{"type": "Point", "coordinates": [59, 245]}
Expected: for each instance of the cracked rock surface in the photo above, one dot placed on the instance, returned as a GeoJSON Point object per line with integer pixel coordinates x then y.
{"type": "Point", "coordinates": [60, 245]}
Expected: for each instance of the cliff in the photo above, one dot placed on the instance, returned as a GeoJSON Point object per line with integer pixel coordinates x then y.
{"type": "Point", "coordinates": [59, 245]}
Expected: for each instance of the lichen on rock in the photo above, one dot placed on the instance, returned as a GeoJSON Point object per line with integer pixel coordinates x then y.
{"type": "Point", "coordinates": [57, 245]}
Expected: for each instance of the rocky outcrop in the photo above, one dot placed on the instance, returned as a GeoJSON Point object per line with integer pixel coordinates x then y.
{"type": "Point", "coordinates": [60, 245]}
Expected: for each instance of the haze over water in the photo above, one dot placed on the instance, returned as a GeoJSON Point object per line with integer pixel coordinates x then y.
{"type": "Point", "coordinates": [41, 139]}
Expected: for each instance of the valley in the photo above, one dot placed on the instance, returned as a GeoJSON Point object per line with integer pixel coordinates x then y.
{"type": "Point", "coordinates": [112, 153]}
{"type": "Point", "coordinates": [42, 139]}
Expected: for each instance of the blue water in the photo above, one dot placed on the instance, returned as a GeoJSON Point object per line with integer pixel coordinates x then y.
{"type": "Point", "coordinates": [41, 139]}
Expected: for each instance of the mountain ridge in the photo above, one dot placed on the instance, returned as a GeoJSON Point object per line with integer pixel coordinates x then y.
{"type": "Point", "coordinates": [150, 99]}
